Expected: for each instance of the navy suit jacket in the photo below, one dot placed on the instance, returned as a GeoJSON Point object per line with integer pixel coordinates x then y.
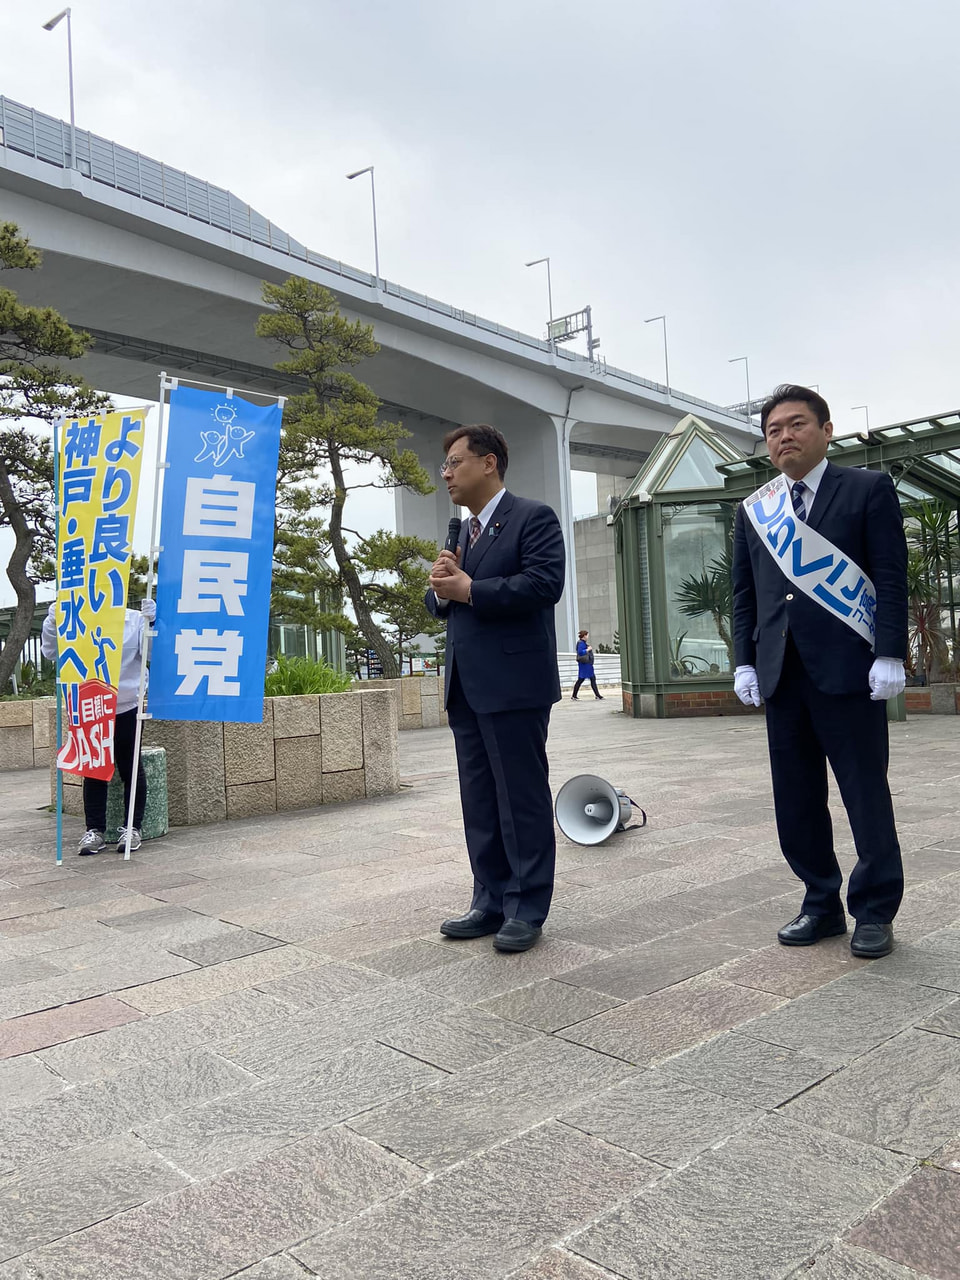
{"type": "Point", "coordinates": [859, 512]}
{"type": "Point", "coordinates": [504, 646]}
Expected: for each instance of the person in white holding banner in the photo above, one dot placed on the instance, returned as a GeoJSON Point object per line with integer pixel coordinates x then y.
{"type": "Point", "coordinates": [820, 634]}
{"type": "Point", "coordinates": [135, 627]}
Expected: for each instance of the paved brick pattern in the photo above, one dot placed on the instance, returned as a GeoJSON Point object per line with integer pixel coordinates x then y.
{"type": "Point", "coordinates": [249, 1052]}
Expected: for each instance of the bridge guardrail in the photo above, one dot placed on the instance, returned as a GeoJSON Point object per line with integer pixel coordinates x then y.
{"type": "Point", "coordinates": [46, 138]}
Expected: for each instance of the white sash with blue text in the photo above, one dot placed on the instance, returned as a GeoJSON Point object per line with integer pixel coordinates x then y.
{"type": "Point", "coordinates": [811, 561]}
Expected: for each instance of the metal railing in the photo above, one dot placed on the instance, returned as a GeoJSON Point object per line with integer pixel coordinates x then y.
{"type": "Point", "coordinates": [46, 138]}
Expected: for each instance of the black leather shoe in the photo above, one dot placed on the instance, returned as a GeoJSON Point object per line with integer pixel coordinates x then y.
{"type": "Point", "coordinates": [806, 930]}
{"type": "Point", "coordinates": [517, 935]}
{"type": "Point", "coordinates": [872, 940]}
{"type": "Point", "coordinates": [475, 924]}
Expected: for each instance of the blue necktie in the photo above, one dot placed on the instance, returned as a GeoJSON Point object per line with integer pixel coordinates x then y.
{"type": "Point", "coordinates": [796, 492]}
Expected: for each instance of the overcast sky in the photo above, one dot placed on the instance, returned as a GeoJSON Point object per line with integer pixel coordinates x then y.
{"type": "Point", "coordinates": [780, 179]}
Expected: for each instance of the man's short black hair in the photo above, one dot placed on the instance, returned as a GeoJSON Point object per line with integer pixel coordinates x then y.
{"type": "Point", "coordinates": [481, 439]}
{"type": "Point", "coordinates": [790, 391]}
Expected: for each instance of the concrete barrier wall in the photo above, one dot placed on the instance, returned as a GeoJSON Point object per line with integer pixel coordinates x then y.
{"type": "Point", "coordinates": [419, 699]}
{"type": "Point", "coordinates": [25, 735]}
{"type": "Point", "coordinates": [308, 750]}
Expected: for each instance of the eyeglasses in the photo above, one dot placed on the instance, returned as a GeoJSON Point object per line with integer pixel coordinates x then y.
{"type": "Point", "coordinates": [449, 465]}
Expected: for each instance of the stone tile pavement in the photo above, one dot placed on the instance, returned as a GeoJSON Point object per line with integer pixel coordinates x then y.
{"type": "Point", "coordinates": [249, 1052]}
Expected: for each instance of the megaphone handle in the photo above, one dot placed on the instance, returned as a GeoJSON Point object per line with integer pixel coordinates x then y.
{"type": "Point", "coordinates": [635, 826]}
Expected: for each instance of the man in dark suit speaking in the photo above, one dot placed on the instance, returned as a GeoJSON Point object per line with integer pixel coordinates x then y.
{"type": "Point", "coordinates": [497, 593]}
{"type": "Point", "coordinates": [820, 633]}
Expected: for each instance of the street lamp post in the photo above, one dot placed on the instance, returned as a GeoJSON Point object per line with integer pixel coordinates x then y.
{"type": "Point", "coordinates": [373, 198]}
{"type": "Point", "coordinates": [536, 263]}
{"type": "Point", "coordinates": [746, 369]}
{"type": "Point", "coordinates": [49, 26]}
{"type": "Point", "coordinates": [666, 358]}
{"type": "Point", "coordinates": [853, 409]}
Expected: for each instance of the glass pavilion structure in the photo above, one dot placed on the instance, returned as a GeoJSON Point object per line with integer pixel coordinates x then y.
{"type": "Point", "coordinates": [673, 534]}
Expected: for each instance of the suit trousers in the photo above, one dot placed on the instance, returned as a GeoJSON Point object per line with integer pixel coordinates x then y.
{"type": "Point", "coordinates": [805, 729]}
{"type": "Point", "coordinates": [507, 806]}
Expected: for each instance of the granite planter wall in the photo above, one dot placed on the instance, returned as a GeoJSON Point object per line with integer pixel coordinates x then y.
{"type": "Point", "coordinates": [308, 750]}
{"type": "Point", "coordinates": [25, 735]}
{"type": "Point", "coordinates": [419, 699]}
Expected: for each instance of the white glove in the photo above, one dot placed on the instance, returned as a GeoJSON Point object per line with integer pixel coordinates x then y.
{"type": "Point", "coordinates": [52, 611]}
{"type": "Point", "coordinates": [149, 609]}
{"type": "Point", "coordinates": [887, 679]}
{"type": "Point", "coordinates": [746, 686]}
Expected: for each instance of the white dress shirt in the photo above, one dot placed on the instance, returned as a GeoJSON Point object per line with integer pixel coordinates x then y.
{"type": "Point", "coordinates": [811, 482]}
{"type": "Point", "coordinates": [487, 513]}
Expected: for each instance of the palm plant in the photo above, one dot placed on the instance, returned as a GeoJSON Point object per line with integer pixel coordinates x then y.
{"type": "Point", "coordinates": [685, 664]}
{"type": "Point", "coordinates": [711, 592]}
{"type": "Point", "coordinates": [932, 542]}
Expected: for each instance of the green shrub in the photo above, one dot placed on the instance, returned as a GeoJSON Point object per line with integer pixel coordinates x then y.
{"type": "Point", "coordinates": [33, 683]}
{"type": "Point", "coordinates": [303, 675]}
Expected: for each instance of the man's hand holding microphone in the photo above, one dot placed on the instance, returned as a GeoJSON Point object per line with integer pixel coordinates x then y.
{"type": "Point", "coordinates": [447, 580]}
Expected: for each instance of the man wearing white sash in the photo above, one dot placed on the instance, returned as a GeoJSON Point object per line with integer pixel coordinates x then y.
{"type": "Point", "coordinates": [820, 634]}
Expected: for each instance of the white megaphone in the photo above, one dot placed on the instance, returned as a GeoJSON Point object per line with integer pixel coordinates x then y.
{"type": "Point", "coordinates": [589, 809]}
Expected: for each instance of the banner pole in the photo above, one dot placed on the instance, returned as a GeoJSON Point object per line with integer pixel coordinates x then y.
{"type": "Point", "coordinates": [56, 640]}
{"type": "Point", "coordinates": [149, 631]}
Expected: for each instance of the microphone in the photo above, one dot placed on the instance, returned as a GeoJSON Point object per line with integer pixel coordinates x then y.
{"type": "Point", "coordinates": [453, 534]}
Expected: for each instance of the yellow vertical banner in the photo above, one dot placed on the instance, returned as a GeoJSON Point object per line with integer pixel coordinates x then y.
{"type": "Point", "coordinates": [97, 499]}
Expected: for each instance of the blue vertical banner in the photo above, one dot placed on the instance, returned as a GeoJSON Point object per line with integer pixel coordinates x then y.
{"type": "Point", "coordinates": [216, 560]}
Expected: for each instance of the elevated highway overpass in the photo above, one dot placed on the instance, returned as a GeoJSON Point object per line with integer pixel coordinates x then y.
{"type": "Point", "coordinates": [165, 271]}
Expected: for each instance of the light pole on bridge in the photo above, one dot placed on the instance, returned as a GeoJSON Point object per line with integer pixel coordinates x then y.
{"type": "Point", "coordinates": [666, 358]}
{"type": "Point", "coordinates": [49, 26]}
{"type": "Point", "coordinates": [373, 197]}
{"type": "Point", "coordinates": [536, 263]}
{"type": "Point", "coordinates": [746, 368]}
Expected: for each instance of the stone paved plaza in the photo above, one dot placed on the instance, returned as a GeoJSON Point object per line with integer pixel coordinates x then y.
{"type": "Point", "coordinates": [250, 1052]}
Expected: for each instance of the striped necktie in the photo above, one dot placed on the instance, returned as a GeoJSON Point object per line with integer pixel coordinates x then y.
{"type": "Point", "coordinates": [474, 531]}
{"type": "Point", "coordinates": [797, 492]}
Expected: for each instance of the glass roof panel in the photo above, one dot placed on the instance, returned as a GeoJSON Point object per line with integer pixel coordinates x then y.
{"type": "Point", "coordinates": [695, 469]}
{"type": "Point", "coordinates": [910, 492]}
{"type": "Point", "coordinates": [951, 461]}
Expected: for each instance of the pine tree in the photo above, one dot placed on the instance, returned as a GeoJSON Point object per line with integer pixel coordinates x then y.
{"type": "Point", "coordinates": [332, 424]}
{"type": "Point", "coordinates": [34, 390]}
{"type": "Point", "coordinates": [396, 584]}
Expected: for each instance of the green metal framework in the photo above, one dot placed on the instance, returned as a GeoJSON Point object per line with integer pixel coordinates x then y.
{"type": "Point", "coordinates": [922, 456]}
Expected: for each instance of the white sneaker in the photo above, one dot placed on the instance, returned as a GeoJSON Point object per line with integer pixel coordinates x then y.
{"type": "Point", "coordinates": [92, 842]}
{"type": "Point", "coordinates": [135, 841]}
